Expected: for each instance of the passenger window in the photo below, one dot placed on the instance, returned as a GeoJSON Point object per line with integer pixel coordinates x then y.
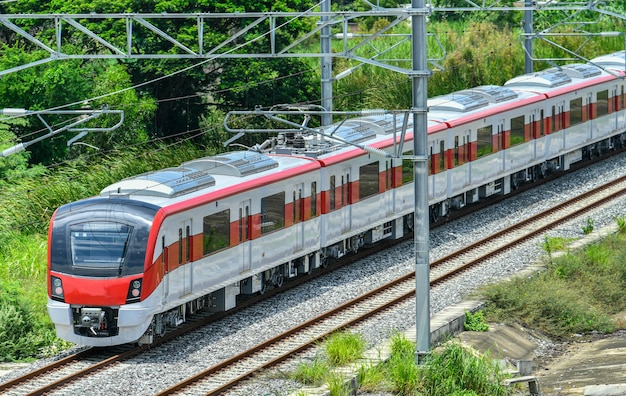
{"type": "Point", "coordinates": [368, 180]}
{"type": "Point", "coordinates": [407, 169]}
{"type": "Point", "coordinates": [484, 146]}
{"type": "Point", "coordinates": [602, 107]}
{"type": "Point", "coordinates": [331, 192]}
{"type": "Point", "coordinates": [575, 111]}
{"type": "Point", "coordinates": [517, 130]}
{"type": "Point", "coordinates": [272, 212]}
{"type": "Point", "coordinates": [216, 232]}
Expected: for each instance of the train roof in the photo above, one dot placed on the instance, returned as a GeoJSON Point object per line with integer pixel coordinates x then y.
{"type": "Point", "coordinates": [201, 176]}
{"type": "Point", "coordinates": [616, 60]}
{"type": "Point", "coordinates": [464, 106]}
{"type": "Point", "coordinates": [556, 78]}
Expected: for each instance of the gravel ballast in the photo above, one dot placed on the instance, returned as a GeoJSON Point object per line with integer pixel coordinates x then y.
{"type": "Point", "coordinates": [162, 367]}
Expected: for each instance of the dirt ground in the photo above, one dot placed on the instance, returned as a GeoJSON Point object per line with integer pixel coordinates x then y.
{"type": "Point", "coordinates": [562, 368]}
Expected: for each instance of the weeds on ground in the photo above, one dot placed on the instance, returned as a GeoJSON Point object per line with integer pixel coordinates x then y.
{"type": "Point", "coordinates": [344, 347]}
{"type": "Point", "coordinates": [588, 228]}
{"type": "Point", "coordinates": [475, 321]}
{"type": "Point", "coordinates": [577, 293]}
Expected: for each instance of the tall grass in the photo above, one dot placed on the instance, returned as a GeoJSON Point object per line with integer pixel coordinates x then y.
{"type": "Point", "coordinates": [344, 347]}
{"type": "Point", "coordinates": [27, 203]}
{"type": "Point", "coordinates": [577, 293]}
{"type": "Point", "coordinates": [457, 370]}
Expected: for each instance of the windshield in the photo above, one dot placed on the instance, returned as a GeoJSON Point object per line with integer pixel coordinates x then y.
{"type": "Point", "coordinates": [99, 244]}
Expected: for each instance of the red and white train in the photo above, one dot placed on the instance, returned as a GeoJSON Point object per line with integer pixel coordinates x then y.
{"type": "Point", "coordinates": [153, 248]}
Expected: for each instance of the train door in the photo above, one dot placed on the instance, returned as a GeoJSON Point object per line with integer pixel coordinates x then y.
{"type": "Point", "coordinates": [533, 134]}
{"type": "Point", "coordinates": [244, 235]}
{"type": "Point", "coordinates": [165, 264]}
{"type": "Point", "coordinates": [184, 256]}
{"type": "Point", "coordinates": [616, 106]}
{"type": "Point", "coordinates": [346, 198]}
{"type": "Point", "coordinates": [389, 195]}
{"type": "Point", "coordinates": [297, 213]}
{"type": "Point", "coordinates": [499, 143]}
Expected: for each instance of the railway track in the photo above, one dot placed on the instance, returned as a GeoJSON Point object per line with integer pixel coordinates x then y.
{"type": "Point", "coordinates": [228, 374]}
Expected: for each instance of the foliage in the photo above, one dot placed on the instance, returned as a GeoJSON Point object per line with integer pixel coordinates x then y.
{"type": "Point", "coordinates": [588, 227]}
{"type": "Point", "coordinates": [23, 336]}
{"type": "Point", "coordinates": [475, 321]}
{"type": "Point", "coordinates": [501, 18]}
{"type": "Point", "coordinates": [17, 163]}
{"type": "Point", "coordinates": [621, 224]}
{"type": "Point", "coordinates": [457, 370]}
{"type": "Point", "coordinates": [552, 244]}
{"type": "Point", "coordinates": [577, 294]}
{"type": "Point", "coordinates": [167, 106]}
{"type": "Point", "coordinates": [401, 370]}
{"type": "Point", "coordinates": [344, 347]}
{"type": "Point", "coordinates": [311, 373]}
{"type": "Point", "coordinates": [449, 370]}
{"type": "Point", "coordinates": [81, 178]}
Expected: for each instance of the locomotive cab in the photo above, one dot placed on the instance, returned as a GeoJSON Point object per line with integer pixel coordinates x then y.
{"type": "Point", "coordinates": [96, 262]}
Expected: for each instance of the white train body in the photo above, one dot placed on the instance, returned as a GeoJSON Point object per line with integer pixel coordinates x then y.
{"type": "Point", "coordinates": [153, 248]}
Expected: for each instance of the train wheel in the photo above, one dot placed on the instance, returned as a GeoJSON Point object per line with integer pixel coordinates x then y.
{"type": "Point", "coordinates": [409, 222]}
{"type": "Point", "coordinates": [434, 212]}
{"type": "Point", "coordinates": [543, 170]}
{"type": "Point", "coordinates": [278, 279]}
{"type": "Point", "coordinates": [263, 285]}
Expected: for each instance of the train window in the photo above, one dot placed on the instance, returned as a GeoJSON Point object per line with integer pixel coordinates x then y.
{"type": "Point", "coordinates": [442, 156]}
{"type": "Point", "coordinates": [602, 107]}
{"type": "Point", "coordinates": [484, 146]}
{"type": "Point", "coordinates": [331, 192]}
{"type": "Point", "coordinates": [553, 120]}
{"type": "Point", "coordinates": [388, 175]}
{"type": "Point", "coordinates": [407, 169]}
{"type": "Point", "coordinates": [164, 249]}
{"type": "Point", "coordinates": [296, 211]}
{"type": "Point", "coordinates": [368, 180]}
{"type": "Point", "coordinates": [344, 194]}
{"type": "Point", "coordinates": [313, 199]}
{"type": "Point", "coordinates": [456, 150]}
{"type": "Point", "coordinates": [99, 244]}
{"type": "Point", "coordinates": [272, 212]}
{"type": "Point", "coordinates": [541, 124]}
{"type": "Point", "coordinates": [348, 189]}
{"type": "Point", "coordinates": [187, 244]}
{"type": "Point", "coordinates": [466, 151]}
{"type": "Point", "coordinates": [216, 232]}
{"type": "Point", "coordinates": [575, 111]}
{"type": "Point", "coordinates": [517, 130]}
{"type": "Point", "coordinates": [180, 245]}
{"type": "Point", "coordinates": [430, 162]}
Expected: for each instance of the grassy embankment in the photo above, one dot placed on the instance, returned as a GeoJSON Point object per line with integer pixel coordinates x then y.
{"type": "Point", "coordinates": [578, 293]}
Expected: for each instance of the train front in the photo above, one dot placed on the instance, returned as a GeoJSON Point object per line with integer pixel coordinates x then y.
{"type": "Point", "coordinates": [96, 255]}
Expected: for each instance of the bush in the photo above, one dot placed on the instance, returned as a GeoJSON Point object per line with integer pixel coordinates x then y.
{"type": "Point", "coordinates": [475, 321]}
{"type": "Point", "coordinates": [22, 337]}
{"type": "Point", "coordinates": [456, 370]}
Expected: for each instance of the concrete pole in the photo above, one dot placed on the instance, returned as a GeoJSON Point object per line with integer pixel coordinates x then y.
{"type": "Point", "coordinates": [327, 66]}
{"type": "Point", "coordinates": [420, 151]}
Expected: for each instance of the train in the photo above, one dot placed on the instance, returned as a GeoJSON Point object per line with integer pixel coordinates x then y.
{"type": "Point", "coordinates": [152, 249]}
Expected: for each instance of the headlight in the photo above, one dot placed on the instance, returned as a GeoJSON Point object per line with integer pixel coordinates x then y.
{"type": "Point", "coordinates": [57, 288]}
{"type": "Point", "coordinates": [134, 291]}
